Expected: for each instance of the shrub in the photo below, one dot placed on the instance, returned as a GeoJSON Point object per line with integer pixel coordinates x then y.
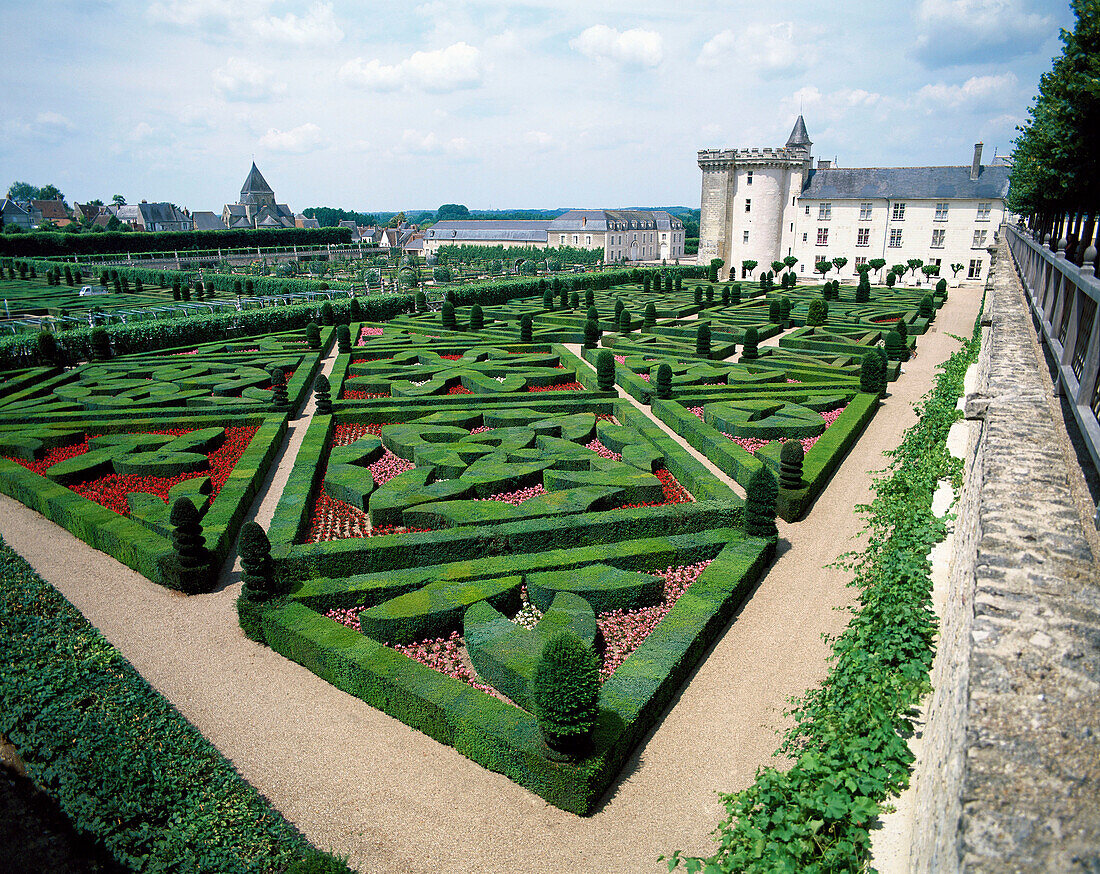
{"type": "Point", "coordinates": [526, 328]}
{"type": "Point", "coordinates": [574, 301]}
{"type": "Point", "coordinates": [751, 350]}
{"type": "Point", "coordinates": [593, 315]}
{"type": "Point", "coordinates": [891, 279]}
{"type": "Point", "coordinates": [255, 551]}
{"type": "Point", "coordinates": [941, 287]}
{"type": "Point", "coordinates": [448, 316]}
{"type": "Point", "coordinates": [280, 400]}
{"type": "Point", "coordinates": [902, 328]}
{"type": "Point", "coordinates": [101, 344]}
{"type": "Point", "coordinates": [619, 307]}
{"type": "Point", "coordinates": [68, 275]}
{"type": "Point", "coordinates": [605, 371]}
{"type": "Point", "coordinates": [791, 457]}
{"type": "Point", "coordinates": [775, 311]}
{"type": "Point", "coordinates": [589, 297]}
{"type": "Point", "coordinates": [725, 296]}
{"type": "Point", "coordinates": [896, 350]}
{"type": "Point", "coordinates": [646, 283]}
{"type": "Point", "coordinates": [761, 495]}
{"type": "Point", "coordinates": [104, 277]}
{"type": "Point", "coordinates": [664, 382]}
{"type": "Point", "coordinates": [528, 268]}
{"type": "Point", "coordinates": [927, 308]}
{"type": "Point", "coordinates": [872, 373]}
{"type": "Point", "coordinates": [238, 289]}
{"type": "Point", "coordinates": [818, 312]}
{"type": "Point", "coordinates": [442, 273]}
{"type": "Point", "coordinates": [565, 691]}
{"type": "Point", "coordinates": [321, 394]}
{"type": "Point", "coordinates": [702, 340]}
{"type": "Point", "coordinates": [548, 299]}
{"type": "Point", "coordinates": [678, 282]}
{"type": "Point", "coordinates": [710, 292]}
{"type": "Point", "coordinates": [477, 318]}
{"type": "Point", "coordinates": [189, 544]}
{"type": "Point", "coordinates": [185, 293]}
{"type": "Point", "coordinates": [421, 302]}
{"type": "Point", "coordinates": [46, 346]}
{"type": "Point", "coordinates": [343, 339]}
{"type": "Point", "coordinates": [735, 293]}
{"type": "Point", "coordinates": [785, 310]}
{"type": "Point", "coordinates": [863, 289]}
{"type": "Point", "coordinates": [326, 312]}
{"type": "Point", "coordinates": [313, 335]}
{"type": "Point", "coordinates": [591, 334]}
{"type": "Point", "coordinates": [624, 322]}
{"type": "Point", "coordinates": [355, 310]}
{"type": "Point", "coordinates": [698, 295]}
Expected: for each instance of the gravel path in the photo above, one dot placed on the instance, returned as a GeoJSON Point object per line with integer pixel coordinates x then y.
{"type": "Point", "coordinates": [361, 783]}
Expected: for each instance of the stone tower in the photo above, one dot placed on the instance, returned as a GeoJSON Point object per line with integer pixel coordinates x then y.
{"type": "Point", "coordinates": [748, 201]}
{"type": "Point", "coordinates": [256, 192]}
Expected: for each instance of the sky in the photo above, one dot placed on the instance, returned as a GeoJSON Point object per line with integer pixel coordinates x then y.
{"type": "Point", "coordinates": [496, 105]}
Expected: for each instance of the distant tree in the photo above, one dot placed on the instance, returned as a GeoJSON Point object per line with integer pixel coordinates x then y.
{"type": "Point", "coordinates": [23, 191]}
{"type": "Point", "coordinates": [451, 211]}
{"type": "Point", "coordinates": [914, 264]}
{"type": "Point", "coordinates": [930, 270]}
{"type": "Point", "coordinates": [776, 267]}
{"type": "Point", "coordinates": [118, 200]}
{"type": "Point", "coordinates": [749, 266]}
{"type": "Point", "coordinates": [397, 220]}
{"type": "Point", "coordinates": [839, 263]}
{"type": "Point", "coordinates": [113, 224]}
{"type": "Point", "coordinates": [955, 268]}
{"type": "Point", "coordinates": [50, 192]}
{"type": "Point", "coordinates": [876, 264]}
{"type": "Point", "coordinates": [823, 267]}
{"type": "Point", "coordinates": [789, 262]}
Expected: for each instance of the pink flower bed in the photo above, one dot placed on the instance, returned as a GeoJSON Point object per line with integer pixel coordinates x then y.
{"type": "Point", "coordinates": [518, 496]}
{"type": "Point", "coordinates": [752, 444]}
{"type": "Point", "coordinates": [451, 357]}
{"type": "Point", "coordinates": [620, 359]}
{"type": "Point", "coordinates": [368, 331]}
{"type": "Point", "coordinates": [561, 386]}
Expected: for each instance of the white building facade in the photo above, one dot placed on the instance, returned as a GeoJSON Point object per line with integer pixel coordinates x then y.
{"type": "Point", "coordinates": [767, 204]}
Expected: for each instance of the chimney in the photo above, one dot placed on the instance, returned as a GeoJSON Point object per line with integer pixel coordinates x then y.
{"type": "Point", "coordinates": [976, 167]}
{"type": "Point", "coordinates": [823, 164]}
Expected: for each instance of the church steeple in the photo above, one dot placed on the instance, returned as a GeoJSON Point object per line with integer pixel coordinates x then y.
{"type": "Point", "coordinates": [799, 138]}
{"type": "Point", "coordinates": [255, 190]}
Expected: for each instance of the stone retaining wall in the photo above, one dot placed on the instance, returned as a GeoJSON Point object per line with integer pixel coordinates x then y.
{"type": "Point", "coordinates": [1009, 776]}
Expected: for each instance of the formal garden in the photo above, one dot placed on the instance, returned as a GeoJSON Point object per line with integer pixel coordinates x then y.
{"type": "Point", "coordinates": [522, 510]}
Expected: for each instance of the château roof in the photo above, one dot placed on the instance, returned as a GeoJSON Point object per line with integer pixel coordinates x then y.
{"type": "Point", "coordinates": [255, 183]}
{"type": "Point", "coordinates": [799, 136]}
{"type": "Point", "coordinates": [914, 183]}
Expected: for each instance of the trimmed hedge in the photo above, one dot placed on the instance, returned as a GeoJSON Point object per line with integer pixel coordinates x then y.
{"type": "Point", "coordinates": [123, 765]}
{"type": "Point", "coordinates": [49, 244]}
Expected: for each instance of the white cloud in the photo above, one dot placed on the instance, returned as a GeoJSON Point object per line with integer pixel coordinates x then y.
{"type": "Point", "coordinates": [297, 140]}
{"type": "Point", "coordinates": [414, 142]}
{"type": "Point", "coordinates": [196, 13]}
{"type": "Point", "coordinates": [454, 68]}
{"type": "Point", "coordinates": [317, 27]}
{"type": "Point", "coordinates": [965, 31]}
{"type": "Point", "coordinates": [142, 131]}
{"type": "Point", "coordinates": [977, 89]}
{"type": "Point", "coordinates": [537, 138]}
{"type": "Point", "coordinates": [240, 79]}
{"type": "Point", "coordinates": [635, 47]}
{"type": "Point", "coordinates": [768, 49]}
{"type": "Point", "coordinates": [53, 120]}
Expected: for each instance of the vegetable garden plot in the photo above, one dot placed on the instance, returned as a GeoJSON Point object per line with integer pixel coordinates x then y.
{"type": "Point", "coordinates": [569, 518]}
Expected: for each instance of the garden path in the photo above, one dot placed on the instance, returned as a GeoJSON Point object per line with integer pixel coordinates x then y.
{"type": "Point", "coordinates": [361, 783]}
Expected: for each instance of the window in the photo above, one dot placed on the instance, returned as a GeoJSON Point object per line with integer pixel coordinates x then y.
{"type": "Point", "coordinates": [863, 236]}
{"type": "Point", "coordinates": [937, 238]}
{"type": "Point", "coordinates": [805, 237]}
{"type": "Point", "coordinates": [748, 178]}
{"type": "Point", "coordinates": [860, 261]}
{"type": "Point", "coordinates": [865, 212]}
{"type": "Point", "coordinates": [745, 238]}
{"type": "Point", "coordinates": [979, 240]}
{"type": "Point", "coordinates": [561, 239]}
{"type": "Point", "coordinates": [824, 212]}
{"type": "Point", "coordinates": [574, 239]}
{"type": "Point", "coordinates": [975, 271]}
{"type": "Point", "coordinates": [823, 236]}
{"type": "Point", "coordinates": [748, 204]}
{"type": "Point", "coordinates": [941, 211]}
{"type": "Point", "coordinates": [899, 212]}
{"type": "Point", "coordinates": [807, 209]}
{"type": "Point", "coordinates": [895, 238]}
{"type": "Point", "coordinates": [983, 210]}
{"type": "Point", "coordinates": [588, 239]}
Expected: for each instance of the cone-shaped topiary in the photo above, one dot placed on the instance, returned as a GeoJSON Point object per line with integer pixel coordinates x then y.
{"type": "Point", "coordinates": [679, 283]}
{"type": "Point", "coordinates": [46, 347]}
{"type": "Point", "coordinates": [548, 299]}
{"type": "Point", "coordinates": [255, 550]}
{"type": "Point", "coordinates": [785, 310]}
{"type": "Point", "coordinates": [574, 300]}
{"type": "Point", "coordinates": [605, 371]}
{"type": "Point", "coordinates": [941, 287]}
{"type": "Point", "coordinates": [619, 307]}
{"type": "Point", "coordinates": [591, 334]}
{"type": "Point", "coordinates": [355, 310]}
{"type": "Point", "coordinates": [927, 308]}
{"type": "Point", "coordinates": [896, 350]}
{"type": "Point", "coordinates": [817, 312]}
{"type": "Point", "coordinates": [326, 312]}
{"type": "Point", "coordinates": [101, 344]}
{"type": "Point", "coordinates": [321, 394]}
{"type": "Point", "coordinates": [421, 302]}
{"type": "Point", "coordinates": [710, 294]}
{"type": "Point", "coordinates": [872, 373]}
{"type": "Point", "coordinates": [625, 322]}
{"type": "Point", "coordinates": [664, 382]}
{"type": "Point", "coordinates": [902, 328]}
{"type": "Point", "coordinates": [593, 314]}
{"type": "Point", "coordinates": [863, 289]}
{"type": "Point", "coordinates": [698, 295]}
{"type": "Point", "coordinates": [761, 495]}
{"type": "Point", "coordinates": [343, 339]}
{"type": "Point", "coordinates": [735, 293]}
{"type": "Point", "coordinates": [477, 318]}
{"type": "Point", "coordinates": [526, 327]}
{"type": "Point", "coordinates": [791, 457]}
{"type": "Point", "coordinates": [646, 283]}
{"type": "Point", "coordinates": [751, 349]}
{"type": "Point", "coordinates": [565, 691]}
{"type": "Point", "coordinates": [448, 316]}
{"type": "Point", "coordinates": [280, 401]}
{"type": "Point", "coordinates": [187, 537]}
{"type": "Point", "coordinates": [725, 296]}
{"type": "Point", "coordinates": [775, 311]}
{"type": "Point", "coordinates": [650, 316]}
{"type": "Point", "coordinates": [589, 297]}
{"type": "Point", "coordinates": [313, 335]}
{"type": "Point", "coordinates": [702, 340]}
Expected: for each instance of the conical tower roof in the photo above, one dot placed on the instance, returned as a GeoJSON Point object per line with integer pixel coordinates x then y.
{"type": "Point", "coordinates": [255, 184]}
{"type": "Point", "coordinates": [798, 136]}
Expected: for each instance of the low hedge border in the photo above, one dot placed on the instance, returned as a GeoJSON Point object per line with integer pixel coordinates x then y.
{"type": "Point", "coordinates": [499, 735]}
{"type": "Point", "coordinates": [131, 542]}
{"type": "Point", "coordinates": [122, 763]}
{"type": "Point", "coordinates": [849, 738]}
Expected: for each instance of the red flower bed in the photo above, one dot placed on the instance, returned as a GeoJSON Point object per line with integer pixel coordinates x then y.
{"type": "Point", "coordinates": [459, 390]}
{"type": "Point", "coordinates": [363, 395]}
{"type": "Point", "coordinates": [561, 386]}
{"type": "Point", "coordinates": [451, 357]}
{"type": "Point", "coordinates": [110, 491]}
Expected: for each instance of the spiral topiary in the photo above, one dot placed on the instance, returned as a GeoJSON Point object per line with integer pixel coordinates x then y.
{"type": "Point", "coordinates": [313, 335]}
{"type": "Point", "coordinates": [591, 334]}
{"type": "Point", "coordinates": [565, 691]}
{"type": "Point", "coordinates": [863, 289]}
{"type": "Point", "coordinates": [526, 328]}
{"type": "Point", "coordinates": [791, 457]}
{"type": "Point", "coordinates": [574, 301]}
{"type": "Point", "coordinates": [421, 302]}
{"type": "Point", "coordinates": [192, 556]}
{"type": "Point", "coordinates": [326, 313]}
{"type": "Point", "coordinates": [605, 371]}
{"type": "Point", "coordinates": [761, 495]}
{"type": "Point", "coordinates": [589, 297]}
{"type": "Point", "coordinates": [321, 394]}
{"type": "Point", "coordinates": [784, 310]}
{"type": "Point", "coordinates": [255, 552]}
{"type": "Point", "coordinates": [650, 319]}
{"type": "Point", "coordinates": [548, 299]}
{"type": "Point", "coordinates": [343, 339]}
{"type": "Point", "coordinates": [619, 307]}
{"type": "Point", "coordinates": [735, 293]}
{"type": "Point", "coordinates": [664, 382]}
{"type": "Point", "coordinates": [280, 400]}
{"type": "Point", "coordinates": [702, 340]}
{"type": "Point", "coordinates": [710, 295]}
{"type": "Point", "coordinates": [751, 349]}
{"type": "Point", "coordinates": [725, 296]}
{"type": "Point", "coordinates": [624, 322]}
